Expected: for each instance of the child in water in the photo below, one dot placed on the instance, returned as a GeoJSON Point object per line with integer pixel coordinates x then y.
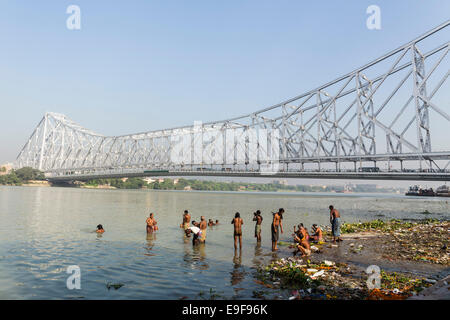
{"type": "Point", "coordinates": [100, 229]}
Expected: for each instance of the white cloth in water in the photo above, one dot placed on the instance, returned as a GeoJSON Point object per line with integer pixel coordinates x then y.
{"type": "Point", "coordinates": [195, 230]}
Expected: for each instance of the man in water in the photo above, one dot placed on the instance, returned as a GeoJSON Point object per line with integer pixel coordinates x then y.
{"type": "Point", "coordinates": [238, 222]}
{"type": "Point", "coordinates": [196, 232]}
{"type": "Point", "coordinates": [203, 225]}
{"type": "Point", "coordinates": [217, 222]}
{"type": "Point", "coordinates": [100, 229]}
{"type": "Point", "coordinates": [258, 218]}
{"type": "Point", "coordinates": [186, 220]}
{"type": "Point", "coordinates": [151, 223]}
{"type": "Point", "coordinates": [276, 225]}
{"type": "Point", "coordinates": [335, 219]}
{"type": "Point", "coordinates": [195, 223]}
{"type": "Point", "coordinates": [210, 223]}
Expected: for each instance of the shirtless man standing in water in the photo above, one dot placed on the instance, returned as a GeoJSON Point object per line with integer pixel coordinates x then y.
{"type": "Point", "coordinates": [258, 218]}
{"type": "Point", "coordinates": [186, 220]}
{"type": "Point", "coordinates": [203, 225]}
{"type": "Point", "coordinates": [238, 222]}
{"type": "Point", "coordinates": [276, 224]}
{"type": "Point", "coordinates": [150, 223]}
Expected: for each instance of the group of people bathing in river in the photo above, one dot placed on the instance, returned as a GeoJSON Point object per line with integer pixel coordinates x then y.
{"type": "Point", "coordinates": [301, 236]}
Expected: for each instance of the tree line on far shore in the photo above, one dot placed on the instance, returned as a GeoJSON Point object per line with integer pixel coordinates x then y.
{"type": "Point", "coordinates": [204, 185]}
{"type": "Point", "coordinates": [26, 174]}
{"type": "Point", "coordinates": [20, 176]}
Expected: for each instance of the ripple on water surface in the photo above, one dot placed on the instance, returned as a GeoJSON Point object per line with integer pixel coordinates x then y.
{"type": "Point", "coordinates": [45, 230]}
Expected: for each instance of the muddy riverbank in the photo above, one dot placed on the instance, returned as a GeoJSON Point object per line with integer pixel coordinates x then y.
{"type": "Point", "coordinates": [411, 257]}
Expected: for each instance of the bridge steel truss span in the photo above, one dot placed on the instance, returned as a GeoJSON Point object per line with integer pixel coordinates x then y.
{"type": "Point", "coordinates": [379, 112]}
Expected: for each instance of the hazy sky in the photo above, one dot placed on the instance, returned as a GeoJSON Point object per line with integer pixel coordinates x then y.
{"type": "Point", "coordinates": [142, 65]}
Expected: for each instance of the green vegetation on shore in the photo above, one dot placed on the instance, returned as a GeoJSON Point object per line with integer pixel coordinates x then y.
{"type": "Point", "coordinates": [424, 240]}
{"type": "Point", "coordinates": [20, 176]}
{"type": "Point", "coordinates": [383, 226]}
{"type": "Point", "coordinates": [203, 185]}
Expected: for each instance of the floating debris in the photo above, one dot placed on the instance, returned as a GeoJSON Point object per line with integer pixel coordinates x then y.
{"type": "Point", "coordinates": [116, 286]}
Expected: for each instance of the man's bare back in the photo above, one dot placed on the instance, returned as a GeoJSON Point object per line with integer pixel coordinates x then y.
{"type": "Point", "coordinates": [237, 226]}
{"type": "Point", "coordinates": [335, 213]}
{"type": "Point", "coordinates": [276, 219]}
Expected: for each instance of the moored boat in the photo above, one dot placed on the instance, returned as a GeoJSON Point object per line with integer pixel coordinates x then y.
{"type": "Point", "coordinates": [418, 191]}
{"type": "Point", "coordinates": [443, 191]}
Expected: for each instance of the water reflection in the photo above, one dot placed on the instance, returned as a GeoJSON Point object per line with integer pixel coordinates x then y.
{"type": "Point", "coordinates": [199, 254]}
{"type": "Point", "coordinates": [258, 259]}
{"type": "Point", "coordinates": [149, 246]}
{"type": "Point", "coordinates": [195, 255]}
{"type": "Point", "coordinates": [238, 273]}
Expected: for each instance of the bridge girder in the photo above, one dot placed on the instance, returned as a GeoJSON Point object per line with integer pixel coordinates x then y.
{"type": "Point", "coordinates": [369, 114]}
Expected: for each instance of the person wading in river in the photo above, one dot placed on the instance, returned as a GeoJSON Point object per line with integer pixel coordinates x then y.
{"type": "Point", "coordinates": [335, 219]}
{"type": "Point", "coordinates": [276, 225]}
{"type": "Point", "coordinates": [258, 218]}
{"type": "Point", "coordinates": [151, 224]}
{"type": "Point", "coordinates": [203, 225]}
{"type": "Point", "coordinates": [186, 220]}
{"type": "Point", "coordinates": [196, 232]}
{"type": "Point", "coordinates": [238, 222]}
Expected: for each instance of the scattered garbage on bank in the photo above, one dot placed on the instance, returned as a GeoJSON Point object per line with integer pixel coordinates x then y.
{"type": "Point", "coordinates": [424, 240]}
{"type": "Point", "coordinates": [328, 280]}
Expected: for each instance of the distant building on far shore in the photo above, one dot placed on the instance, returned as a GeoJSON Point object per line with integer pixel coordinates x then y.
{"type": "Point", "coordinates": [282, 182]}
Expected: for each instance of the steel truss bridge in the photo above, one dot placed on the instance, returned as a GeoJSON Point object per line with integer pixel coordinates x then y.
{"type": "Point", "coordinates": [386, 111]}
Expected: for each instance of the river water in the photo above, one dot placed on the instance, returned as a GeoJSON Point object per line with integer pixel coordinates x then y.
{"type": "Point", "coordinates": [45, 230]}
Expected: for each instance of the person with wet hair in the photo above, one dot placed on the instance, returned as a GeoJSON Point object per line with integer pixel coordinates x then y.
{"type": "Point", "coordinates": [100, 229]}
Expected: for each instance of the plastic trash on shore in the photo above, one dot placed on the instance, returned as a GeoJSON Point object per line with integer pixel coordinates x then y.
{"type": "Point", "coordinates": [328, 263]}
{"type": "Point", "coordinates": [318, 274]}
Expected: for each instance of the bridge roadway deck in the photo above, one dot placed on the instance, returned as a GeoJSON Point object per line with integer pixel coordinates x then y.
{"type": "Point", "coordinates": [407, 176]}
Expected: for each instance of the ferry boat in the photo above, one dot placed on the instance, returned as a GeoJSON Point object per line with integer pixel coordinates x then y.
{"type": "Point", "coordinates": [443, 191]}
{"type": "Point", "coordinates": [418, 191]}
{"type": "Point", "coordinates": [413, 191]}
